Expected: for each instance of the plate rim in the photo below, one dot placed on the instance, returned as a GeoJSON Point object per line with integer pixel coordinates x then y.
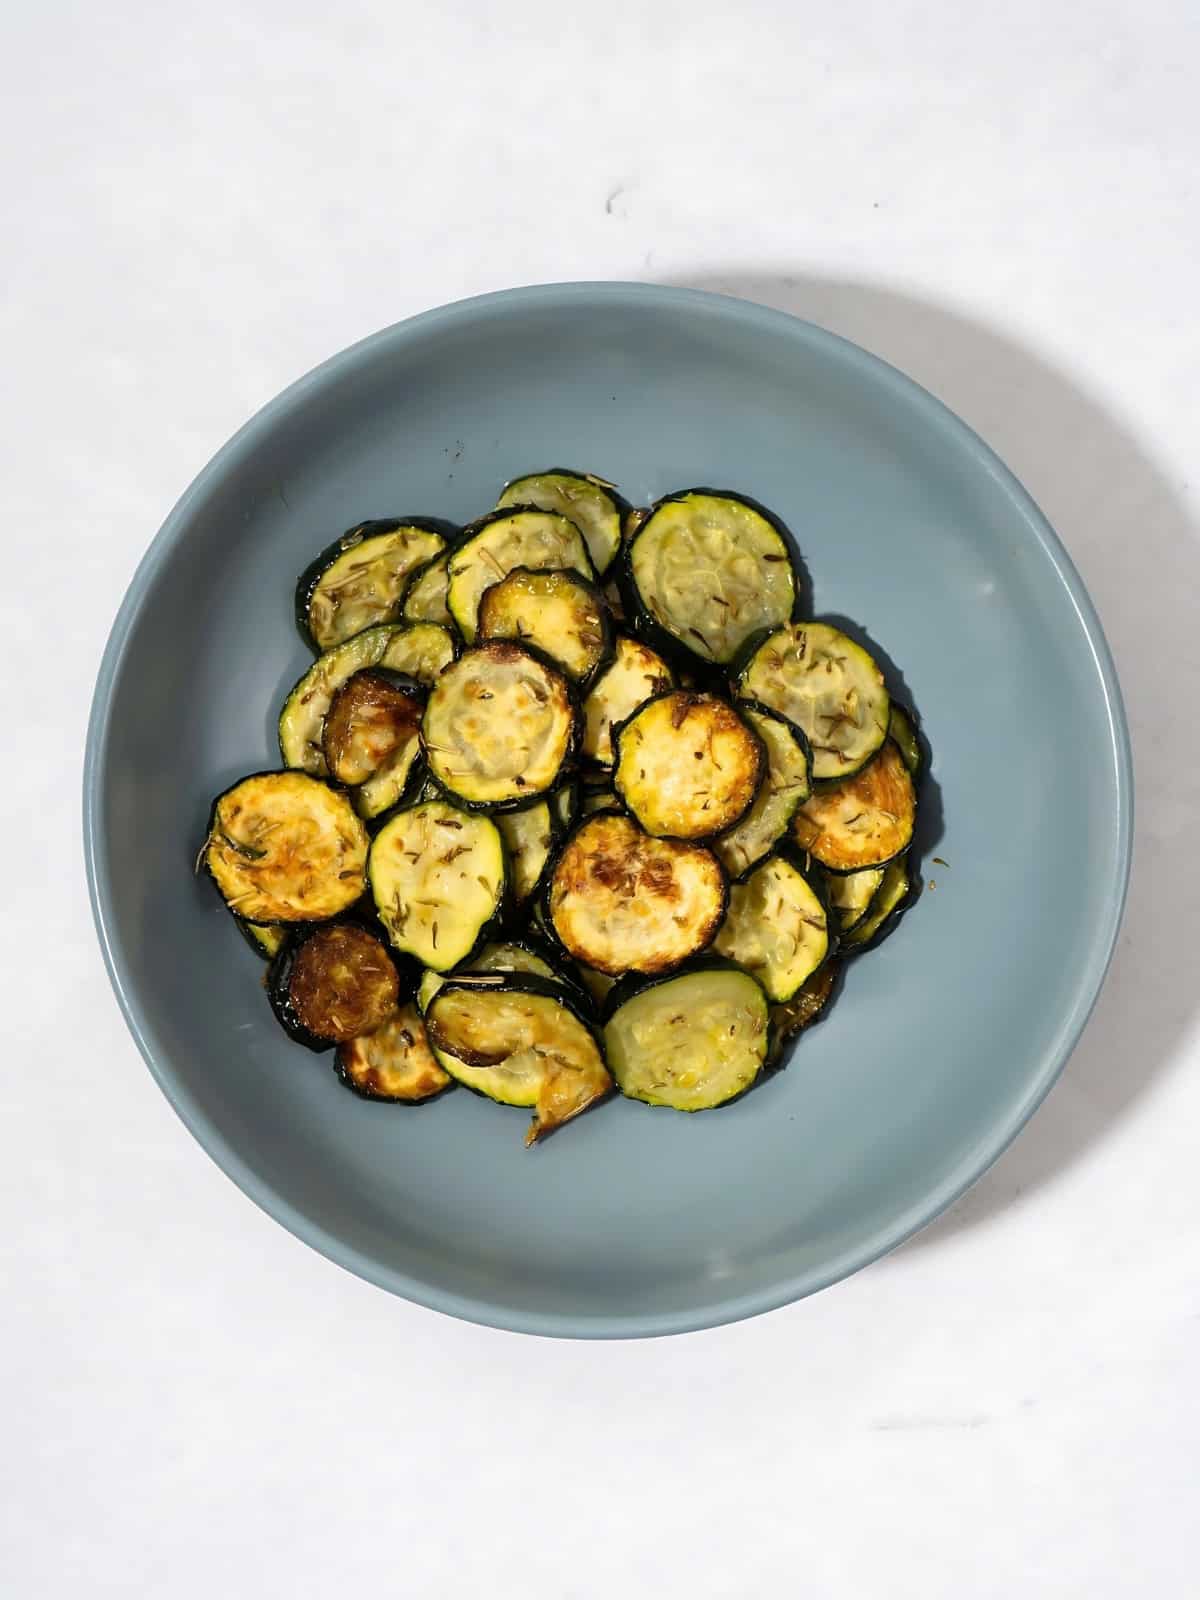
{"type": "Point", "coordinates": [495, 1312]}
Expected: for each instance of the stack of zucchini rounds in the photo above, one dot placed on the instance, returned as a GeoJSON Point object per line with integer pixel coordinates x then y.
{"type": "Point", "coordinates": [573, 800]}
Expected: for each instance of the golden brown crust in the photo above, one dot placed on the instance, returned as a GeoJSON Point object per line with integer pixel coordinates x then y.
{"type": "Point", "coordinates": [368, 720]}
{"type": "Point", "coordinates": [688, 766]}
{"type": "Point", "coordinates": [343, 983]}
{"type": "Point", "coordinates": [862, 821]}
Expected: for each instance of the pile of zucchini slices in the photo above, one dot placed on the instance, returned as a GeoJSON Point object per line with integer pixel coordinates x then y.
{"type": "Point", "coordinates": [573, 800]}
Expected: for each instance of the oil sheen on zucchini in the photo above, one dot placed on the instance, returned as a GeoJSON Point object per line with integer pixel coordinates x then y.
{"type": "Point", "coordinates": [786, 784]}
{"type": "Point", "coordinates": [687, 765]}
{"type": "Point", "coordinates": [559, 612]}
{"type": "Point", "coordinates": [333, 983]}
{"type": "Point", "coordinates": [284, 847]}
{"type": "Point", "coordinates": [588, 501]}
{"type": "Point", "coordinates": [371, 739]}
{"type": "Point", "coordinates": [776, 927]}
{"type": "Point", "coordinates": [806, 1005]}
{"type": "Point", "coordinates": [829, 687]}
{"type": "Point", "coordinates": [394, 1062]}
{"type": "Point", "coordinates": [862, 821]}
{"type": "Point", "coordinates": [358, 580]}
{"type": "Point", "coordinates": [437, 877]}
{"type": "Point", "coordinates": [710, 570]}
{"type": "Point", "coordinates": [892, 899]}
{"type": "Point", "coordinates": [635, 675]}
{"type": "Point", "coordinates": [691, 1041]}
{"type": "Point", "coordinates": [851, 894]}
{"type": "Point", "coordinates": [497, 543]}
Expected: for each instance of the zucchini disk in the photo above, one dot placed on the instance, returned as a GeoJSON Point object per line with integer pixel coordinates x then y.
{"type": "Point", "coordinates": [710, 570]}
{"type": "Point", "coordinates": [515, 956]}
{"type": "Point", "coordinates": [264, 938]}
{"type": "Point", "coordinates": [588, 501]}
{"type": "Point", "coordinates": [499, 724]}
{"type": "Point", "coordinates": [785, 786]}
{"type": "Point", "coordinates": [394, 1062]}
{"type": "Point", "coordinates": [829, 687]}
{"type": "Point", "coordinates": [496, 544]}
{"type": "Point", "coordinates": [419, 649]}
{"type": "Point", "coordinates": [687, 765]}
{"type": "Point", "coordinates": [892, 899]}
{"type": "Point", "coordinates": [358, 580]}
{"type": "Point", "coordinates": [332, 984]}
{"type": "Point", "coordinates": [902, 730]}
{"type": "Point", "coordinates": [621, 901]}
{"type": "Point", "coordinates": [528, 842]}
{"type": "Point", "coordinates": [561, 614]}
{"type": "Point", "coordinates": [862, 821]}
{"type": "Point", "coordinates": [425, 593]}
{"type": "Point", "coordinates": [691, 1041]}
{"type": "Point", "coordinates": [437, 878]}
{"type": "Point", "coordinates": [806, 1005]}
{"type": "Point", "coordinates": [850, 895]}
{"type": "Point", "coordinates": [517, 1040]}
{"type": "Point", "coordinates": [776, 927]}
{"type": "Point", "coordinates": [284, 847]}
{"type": "Point", "coordinates": [371, 739]}
{"type": "Point", "coordinates": [635, 675]}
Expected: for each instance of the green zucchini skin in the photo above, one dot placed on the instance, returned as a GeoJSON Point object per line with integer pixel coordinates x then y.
{"type": "Point", "coordinates": [815, 880]}
{"type": "Point", "coordinates": [369, 1091]}
{"type": "Point", "coordinates": [266, 939]}
{"type": "Point", "coordinates": [592, 591]}
{"type": "Point", "coordinates": [621, 506]}
{"type": "Point", "coordinates": [279, 977]}
{"type": "Point", "coordinates": [306, 583]}
{"type": "Point", "coordinates": [462, 607]}
{"type": "Point", "coordinates": [874, 928]}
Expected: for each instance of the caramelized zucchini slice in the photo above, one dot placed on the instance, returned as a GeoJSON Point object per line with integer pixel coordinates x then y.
{"type": "Point", "coordinates": [687, 765]}
{"type": "Point", "coordinates": [902, 730]}
{"type": "Point", "coordinates": [498, 543]}
{"type": "Point", "coordinates": [425, 593]}
{"type": "Point", "coordinates": [892, 899]}
{"type": "Point", "coordinates": [776, 927]}
{"type": "Point", "coordinates": [394, 1062]}
{"type": "Point", "coordinates": [621, 901]}
{"type": "Point", "coordinates": [863, 821]}
{"type": "Point", "coordinates": [372, 738]}
{"type": "Point", "coordinates": [635, 675]}
{"type": "Point", "coordinates": [829, 687]}
{"type": "Point", "coordinates": [529, 842]}
{"type": "Point", "coordinates": [588, 501]}
{"type": "Point", "coordinates": [850, 895]}
{"type": "Point", "coordinates": [558, 612]}
{"type": "Point", "coordinates": [514, 955]}
{"type": "Point", "coordinates": [266, 939]}
{"type": "Point", "coordinates": [708, 570]}
{"type": "Point", "coordinates": [358, 580]}
{"type": "Point", "coordinates": [519, 1040]}
{"type": "Point", "coordinates": [806, 1005]}
{"type": "Point", "coordinates": [420, 649]}
{"type": "Point", "coordinates": [786, 784]}
{"type": "Point", "coordinates": [437, 877]}
{"type": "Point", "coordinates": [499, 725]}
{"type": "Point", "coordinates": [284, 847]}
{"type": "Point", "coordinates": [691, 1041]}
{"type": "Point", "coordinates": [332, 984]}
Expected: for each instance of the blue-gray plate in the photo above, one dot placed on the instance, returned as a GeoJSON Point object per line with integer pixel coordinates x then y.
{"type": "Point", "coordinates": [633, 1220]}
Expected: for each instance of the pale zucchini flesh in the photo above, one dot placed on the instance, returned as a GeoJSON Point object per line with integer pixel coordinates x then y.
{"type": "Point", "coordinates": [851, 894]}
{"type": "Point", "coordinates": [635, 675]}
{"type": "Point", "coordinates": [786, 784]}
{"type": "Point", "coordinates": [587, 500]}
{"type": "Point", "coordinates": [891, 899]}
{"type": "Point", "coordinates": [396, 1062]}
{"type": "Point", "coordinates": [862, 821]}
{"type": "Point", "coordinates": [776, 927]}
{"type": "Point", "coordinates": [494, 546]}
{"type": "Point", "coordinates": [437, 878]}
{"type": "Point", "coordinates": [425, 595]}
{"type": "Point", "coordinates": [687, 765]}
{"type": "Point", "coordinates": [492, 958]}
{"type": "Point", "coordinates": [528, 837]}
{"type": "Point", "coordinates": [361, 579]}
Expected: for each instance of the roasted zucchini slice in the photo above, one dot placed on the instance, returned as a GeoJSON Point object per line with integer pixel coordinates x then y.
{"type": "Point", "coordinates": [807, 1004]}
{"type": "Point", "coordinates": [358, 580]}
{"type": "Point", "coordinates": [498, 543]}
{"type": "Point", "coordinates": [437, 877]}
{"type": "Point", "coordinates": [786, 784]}
{"type": "Point", "coordinates": [776, 927]}
{"type": "Point", "coordinates": [420, 649]}
{"type": "Point", "coordinates": [513, 955]}
{"type": "Point", "coordinates": [850, 895]}
{"type": "Point", "coordinates": [892, 899]}
{"type": "Point", "coordinates": [394, 1062]}
{"type": "Point", "coordinates": [425, 592]}
{"type": "Point", "coordinates": [687, 765]}
{"type": "Point", "coordinates": [691, 1041]}
{"type": "Point", "coordinates": [863, 821]}
{"type": "Point", "coordinates": [591, 504]}
{"type": "Point", "coordinates": [902, 730]}
{"type": "Point", "coordinates": [520, 1041]}
{"type": "Point", "coordinates": [371, 739]}
{"type": "Point", "coordinates": [529, 842]}
{"type": "Point", "coordinates": [621, 901]}
{"type": "Point", "coordinates": [284, 847]}
{"type": "Point", "coordinates": [499, 725]}
{"type": "Point", "coordinates": [558, 612]}
{"type": "Point", "coordinates": [332, 984]}
{"type": "Point", "coordinates": [708, 570]}
{"type": "Point", "coordinates": [828, 686]}
{"type": "Point", "coordinates": [635, 675]}
{"type": "Point", "coordinates": [266, 939]}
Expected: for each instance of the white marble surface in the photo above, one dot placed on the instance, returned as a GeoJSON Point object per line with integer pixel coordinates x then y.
{"type": "Point", "coordinates": [200, 202]}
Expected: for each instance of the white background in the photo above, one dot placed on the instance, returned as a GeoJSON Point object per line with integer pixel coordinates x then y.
{"type": "Point", "coordinates": [200, 201]}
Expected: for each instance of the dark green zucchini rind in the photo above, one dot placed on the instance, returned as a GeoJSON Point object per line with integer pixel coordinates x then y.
{"type": "Point", "coordinates": [395, 1063]}
{"type": "Point", "coordinates": [266, 939]}
{"type": "Point", "coordinates": [786, 785]}
{"type": "Point", "coordinates": [706, 570]}
{"type": "Point", "coordinates": [896, 895]}
{"type": "Point", "coordinates": [808, 1005]}
{"type": "Point", "coordinates": [565, 804]}
{"type": "Point", "coordinates": [520, 536]}
{"type": "Point", "coordinates": [501, 727]}
{"type": "Point", "coordinates": [330, 984]}
{"type": "Point", "coordinates": [850, 895]}
{"type": "Point", "coordinates": [691, 1041]}
{"type": "Point", "coordinates": [359, 580]}
{"type": "Point", "coordinates": [557, 611]}
{"type": "Point", "coordinates": [591, 503]}
{"type": "Point", "coordinates": [904, 729]}
{"type": "Point", "coordinates": [778, 926]}
{"type": "Point", "coordinates": [528, 953]}
{"type": "Point", "coordinates": [636, 674]}
{"type": "Point", "coordinates": [688, 766]}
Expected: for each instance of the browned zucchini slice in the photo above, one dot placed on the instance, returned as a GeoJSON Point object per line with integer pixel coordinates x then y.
{"type": "Point", "coordinates": [372, 737]}
{"type": "Point", "coordinates": [786, 784]}
{"type": "Point", "coordinates": [687, 765]}
{"type": "Point", "coordinates": [635, 675]}
{"type": "Point", "coordinates": [776, 927]}
{"type": "Point", "coordinates": [863, 821]}
{"type": "Point", "coordinates": [333, 984]}
{"type": "Point", "coordinates": [394, 1062]}
{"type": "Point", "coordinates": [494, 545]}
{"type": "Point", "coordinates": [590, 502]}
{"type": "Point", "coordinates": [357, 581]}
{"type": "Point", "coordinates": [557, 611]}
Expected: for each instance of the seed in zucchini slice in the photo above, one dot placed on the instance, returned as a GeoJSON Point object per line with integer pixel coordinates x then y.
{"type": "Point", "coordinates": [635, 675]}
{"type": "Point", "coordinates": [558, 612]}
{"type": "Point", "coordinates": [710, 570]}
{"type": "Point", "coordinates": [776, 927]}
{"type": "Point", "coordinates": [622, 901]}
{"type": "Point", "coordinates": [588, 501]}
{"type": "Point", "coordinates": [519, 1043]}
{"type": "Point", "coordinates": [496, 544]}
{"type": "Point", "coordinates": [687, 765]}
{"type": "Point", "coordinates": [785, 786]}
{"type": "Point", "coordinates": [358, 581]}
{"type": "Point", "coordinates": [498, 726]}
{"type": "Point", "coordinates": [437, 878]}
{"type": "Point", "coordinates": [394, 1062]}
{"type": "Point", "coordinates": [691, 1042]}
{"type": "Point", "coordinates": [902, 730]}
{"type": "Point", "coordinates": [892, 899]}
{"type": "Point", "coordinates": [425, 593]}
{"type": "Point", "coordinates": [420, 649]}
{"type": "Point", "coordinates": [333, 984]}
{"type": "Point", "coordinates": [850, 895]}
{"type": "Point", "coordinates": [862, 821]}
{"type": "Point", "coordinates": [284, 847]}
{"type": "Point", "coordinates": [529, 840]}
{"type": "Point", "coordinates": [829, 687]}
{"type": "Point", "coordinates": [806, 1005]}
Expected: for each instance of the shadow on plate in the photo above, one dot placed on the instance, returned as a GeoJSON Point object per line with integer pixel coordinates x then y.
{"type": "Point", "coordinates": [1135, 544]}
